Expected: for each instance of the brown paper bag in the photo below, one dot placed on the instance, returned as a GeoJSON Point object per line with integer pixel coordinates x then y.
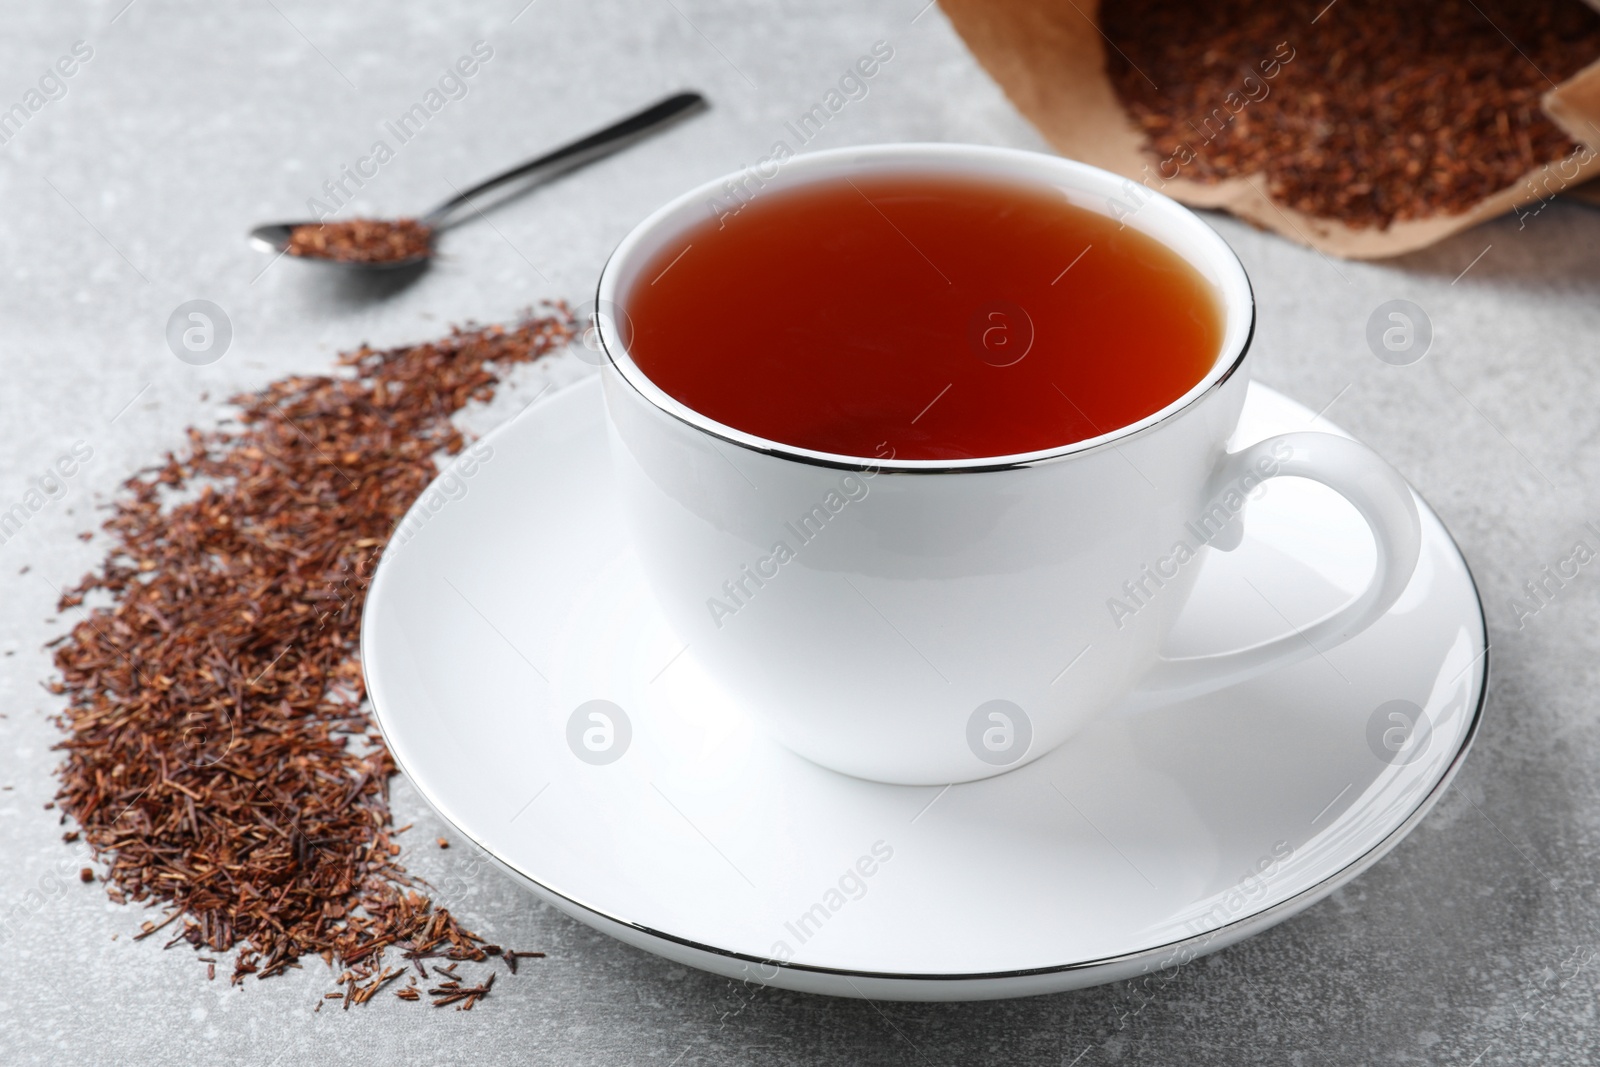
{"type": "Point", "coordinates": [1049, 57]}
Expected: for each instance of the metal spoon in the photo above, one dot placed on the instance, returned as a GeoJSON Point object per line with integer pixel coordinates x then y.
{"type": "Point", "coordinates": [274, 237]}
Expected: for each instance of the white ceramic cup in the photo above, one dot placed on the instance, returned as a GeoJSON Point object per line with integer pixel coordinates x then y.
{"type": "Point", "coordinates": [925, 622]}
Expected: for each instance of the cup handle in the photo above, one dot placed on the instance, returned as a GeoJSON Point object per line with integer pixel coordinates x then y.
{"type": "Point", "coordinates": [1383, 498]}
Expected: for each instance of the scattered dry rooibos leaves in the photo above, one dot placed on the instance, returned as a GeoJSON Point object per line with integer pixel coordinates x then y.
{"type": "Point", "coordinates": [1387, 111]}
{"type": "Point", "coordinates": [217, 757]}
{"type": "Point", "coordinates": [362, 240]}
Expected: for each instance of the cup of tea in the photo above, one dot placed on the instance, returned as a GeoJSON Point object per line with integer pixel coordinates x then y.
{"type": "Point", "coordinates": [920, 446]}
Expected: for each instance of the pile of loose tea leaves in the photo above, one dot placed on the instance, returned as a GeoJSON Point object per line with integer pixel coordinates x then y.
{"type": "Point", "coordinates": [1383, 111]}
{"type": "Point", "coordinates": [362, 240]}
{"type": "Point", "coordinates": [217, 759]}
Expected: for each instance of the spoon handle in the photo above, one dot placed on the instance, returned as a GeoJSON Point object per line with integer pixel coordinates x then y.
{"type": "Point", "coordinates": [585, 150]}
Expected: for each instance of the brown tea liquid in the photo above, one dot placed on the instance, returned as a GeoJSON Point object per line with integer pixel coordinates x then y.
{"type": "Point", "coordinates": [921, 317]}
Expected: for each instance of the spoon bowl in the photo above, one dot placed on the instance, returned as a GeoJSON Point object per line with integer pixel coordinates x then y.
{"type": "Point", "coordinates": [273, 238]}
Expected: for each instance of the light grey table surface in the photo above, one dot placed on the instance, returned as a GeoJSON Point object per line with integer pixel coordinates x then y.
{"type": "Point", "coordinates": [131, 193]}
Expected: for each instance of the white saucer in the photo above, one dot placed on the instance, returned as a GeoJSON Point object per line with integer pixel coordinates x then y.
{"type": "Point", "coordinates": [1146, 840]}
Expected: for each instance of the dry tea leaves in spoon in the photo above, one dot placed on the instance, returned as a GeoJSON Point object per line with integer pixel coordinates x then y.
{"type": "Point", "coordinates": [362, 240]}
